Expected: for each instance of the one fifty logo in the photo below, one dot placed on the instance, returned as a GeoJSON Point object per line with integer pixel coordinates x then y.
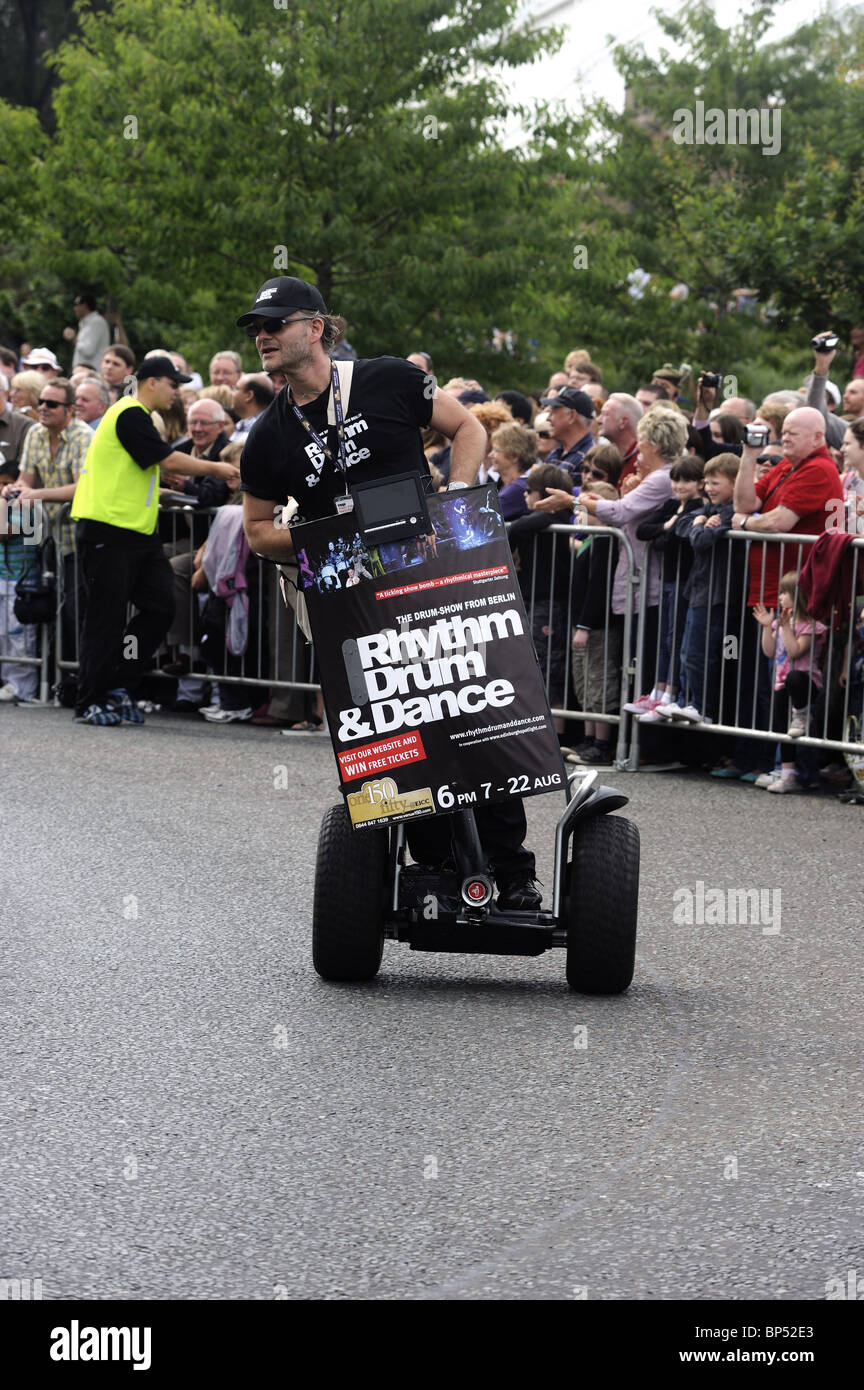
{"type": "Point", "coordinates": [76, 1343]}
{"type": "Point", "coordinates": [721, 907]}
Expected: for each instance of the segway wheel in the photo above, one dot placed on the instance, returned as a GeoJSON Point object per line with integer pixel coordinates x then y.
{"type": "Point", "coordinates": [350, 899]}
{"type": "Point", "coordinates": [602, 906]}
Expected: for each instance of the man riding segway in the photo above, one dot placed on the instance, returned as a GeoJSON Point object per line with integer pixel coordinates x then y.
{"type": "Point", "coordinates": [300, 448]}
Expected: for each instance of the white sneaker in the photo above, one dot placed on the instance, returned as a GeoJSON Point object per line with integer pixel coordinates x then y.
{"type": "Point", "coordinates": [786, 786]}
{"type": "Point", "coordinates": [670, 711]}
{"type": "Point", "coordinates": [689, 714]}
{"type": "Point", "coordinates": [8, 693]}
{"type": "Point", "coordinates": [226, 716]}
{"type": "Point", "coordinates": [765, 779]}
{"type": "Point", "coordinates": [797, 724]}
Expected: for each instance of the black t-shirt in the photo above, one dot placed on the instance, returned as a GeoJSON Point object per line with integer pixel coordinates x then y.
{"type": "Point", "coordinates": [140, 438]}
{"type": "Point", "coordinates": [390, 402]}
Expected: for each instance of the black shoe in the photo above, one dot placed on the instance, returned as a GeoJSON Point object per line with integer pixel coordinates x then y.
{"type": "Point", "coordinates": [602, 754]}
{"type": "Point", "coordinates": [577, 754]}
{"type": "Point", "coordinates": [520, 896]}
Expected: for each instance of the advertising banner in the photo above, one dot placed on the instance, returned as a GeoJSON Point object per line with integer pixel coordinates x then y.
{"type": "Point", "coordinates": [433, 694]}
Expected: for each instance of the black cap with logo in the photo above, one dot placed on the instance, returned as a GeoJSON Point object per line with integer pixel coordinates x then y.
{"type": "Point", "coordinates": [281, 296]}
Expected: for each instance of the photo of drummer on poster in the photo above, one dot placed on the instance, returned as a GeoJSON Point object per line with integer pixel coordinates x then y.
{"type": "Point", "coordinates": [463, 521]}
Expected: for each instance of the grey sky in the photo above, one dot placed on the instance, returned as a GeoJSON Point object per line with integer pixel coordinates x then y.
{"type": "Point", "coordinates": [584, 64]}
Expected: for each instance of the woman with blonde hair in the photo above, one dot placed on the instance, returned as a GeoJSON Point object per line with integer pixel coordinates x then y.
{"type": "Point", "coordinates": [576, 359]}
{"type": "Point", "coordinates": [513, 453]}
{"type": "Point", "coordinates": [24, 392]}
{"type": "Point", "coordinates": [491, 415]}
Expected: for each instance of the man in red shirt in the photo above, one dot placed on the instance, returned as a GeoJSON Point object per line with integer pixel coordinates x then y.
{"type": "Point", "coordinates": [793, 497]}
{"type": "Point", "coordinates": [796, 496]}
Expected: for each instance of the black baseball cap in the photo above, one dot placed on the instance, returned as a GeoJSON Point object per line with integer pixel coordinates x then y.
{"type": "Point", "coordinates": [160, 366]}
{"type": "Point", "coordinates": [573, 399]}
{"type": "Point", "coordinates": [281, 296]}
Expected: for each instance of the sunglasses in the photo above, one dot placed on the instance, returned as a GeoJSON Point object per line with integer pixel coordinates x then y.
{"type": "Point", "coordinates": [592, 473]}
{"type": "Point", "coordinates": [544, 434]}
{"type": "Point", "coordinates": [275, 325]}
{"type": "Point", "coordinates": [769, 458]}
{"type": "Point", "coordinates": [42, 367]}
{"type": "Point", "coordinates": [52, 405]}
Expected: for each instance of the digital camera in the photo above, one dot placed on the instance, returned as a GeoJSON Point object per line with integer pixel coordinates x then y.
{"type": "Point", "coordinates": [756, 436]}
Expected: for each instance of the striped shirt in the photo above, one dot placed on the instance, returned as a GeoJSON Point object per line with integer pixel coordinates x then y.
{"type": "Point", "coordinates": [64, 468]}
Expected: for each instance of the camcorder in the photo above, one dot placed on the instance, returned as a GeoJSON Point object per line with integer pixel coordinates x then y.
{"type": "Point", "coordinates": [756, 436]}
{"type": "Point", "coordinates": [825, 342]}
{"type": "Point", "coordinates": [710, 379]}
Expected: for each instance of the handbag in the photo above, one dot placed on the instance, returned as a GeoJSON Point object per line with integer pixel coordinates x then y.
{"type": "Point", "coordinates": [35, 598]}
{"type": "Point", "coordinates": [36, 594]}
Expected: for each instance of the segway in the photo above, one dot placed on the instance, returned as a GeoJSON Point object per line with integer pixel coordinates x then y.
{"type": "Point", "coordinates": [417, 733]}
{"type": "Point", "coordinates": [366, 892]}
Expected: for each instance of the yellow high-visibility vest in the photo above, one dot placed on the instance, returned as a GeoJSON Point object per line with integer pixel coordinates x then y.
{"type": "Point", "coordinates": [112, 487]}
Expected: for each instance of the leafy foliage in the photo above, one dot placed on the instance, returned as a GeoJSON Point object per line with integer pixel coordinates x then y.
{"type": "Point", "coordinates": [204, 145]}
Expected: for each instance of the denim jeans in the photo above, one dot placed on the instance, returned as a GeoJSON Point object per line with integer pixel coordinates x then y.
{"type": "Point", "coordinates": [673, 616]}
{"type": "Point", "coordinates": [703, 634]}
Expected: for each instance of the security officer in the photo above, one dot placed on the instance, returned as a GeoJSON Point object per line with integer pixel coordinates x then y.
{"type": "Point", "coordinates": [116, 504]}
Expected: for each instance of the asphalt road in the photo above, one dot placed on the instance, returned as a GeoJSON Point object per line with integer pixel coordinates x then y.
{"type": "Point", "coordinates": [189, 1112]}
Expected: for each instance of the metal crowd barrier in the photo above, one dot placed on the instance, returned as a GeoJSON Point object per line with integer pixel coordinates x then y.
{"type": "Point", "coordinates": [625, 650]}
{"type": "Point", "coordinates": [736, 704]}
{"type": "Point", "coordinates": [277, 657]}
{"type": "Point", "coordinates": [559, 610]}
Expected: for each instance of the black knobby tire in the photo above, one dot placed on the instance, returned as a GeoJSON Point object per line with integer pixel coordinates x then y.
{"type": "Point", "coordinates": [350, 899]}
{"type": "Point", "coordinates": [603, 905]}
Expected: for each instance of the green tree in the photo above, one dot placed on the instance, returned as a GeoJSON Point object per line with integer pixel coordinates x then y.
{"type": "Point", "coordinates": [721, 216]}
{"type": "Point", "coordinates": [29, 31]}
{"type": "Point", "coordinates": [203, 146]}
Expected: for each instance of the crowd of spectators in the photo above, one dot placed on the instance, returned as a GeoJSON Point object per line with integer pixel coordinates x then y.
{"type": "Point", "coordinates": [674, 464]}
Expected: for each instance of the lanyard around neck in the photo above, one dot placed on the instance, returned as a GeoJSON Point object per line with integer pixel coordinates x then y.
{"type": "Point", "coordinates": [341, 459]}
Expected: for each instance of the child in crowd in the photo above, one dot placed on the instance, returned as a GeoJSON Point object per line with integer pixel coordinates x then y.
{"type": "Point", "coordinates": [543, 567]}
{"type": "Point", "coordinates": [709, 618]}
{"type": "Point", "coordinates": [602, 464]}
{"type": "Point", "coordinates": [597, 642]}
{"type": "Point", "coordinates": [797, 644]}
{"type": "Point", "coordinates": [19, 559]}
{"type": "Point", "coordinates": [676, 559]}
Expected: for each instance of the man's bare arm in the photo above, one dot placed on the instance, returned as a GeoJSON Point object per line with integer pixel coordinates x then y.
{"type": "Point", "coordinates": [264, 536]}
{"type": "Point", "coordinates": [746, 498]}
{"type": "Point", "coordinates": [779, 521]}
{"type": "Point", "coordinates": [48, 494]}
{"type": "Point", "coordinates": [466, 434]}
{"type": "Point", "coordinates": [184, 463]}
